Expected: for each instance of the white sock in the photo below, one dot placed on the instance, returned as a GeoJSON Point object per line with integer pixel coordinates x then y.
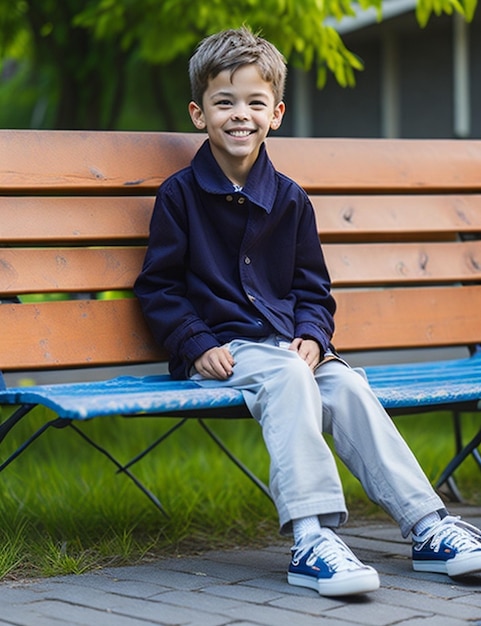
{"type": "Point", "coordinates": [305, 527]}
{"type": "Point", "coordinates": [426, 522]}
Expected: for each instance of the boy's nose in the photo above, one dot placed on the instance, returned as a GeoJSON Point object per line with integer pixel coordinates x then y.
{"type": "Point", "coordinates": [240, 113]}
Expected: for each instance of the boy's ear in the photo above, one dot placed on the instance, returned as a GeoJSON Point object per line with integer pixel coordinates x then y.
{"type": "Point", "coordinates": [279, 111]}
{"type": "Point", "coordinates": [196, 115]}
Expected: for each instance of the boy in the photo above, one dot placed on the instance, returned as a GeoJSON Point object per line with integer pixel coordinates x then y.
{"type": "Point", "coordinates": [235, 286]}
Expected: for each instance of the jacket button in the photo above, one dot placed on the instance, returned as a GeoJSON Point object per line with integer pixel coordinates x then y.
{"type": "Point", "coordinates": [247, 260]}
{"type": "Point", "coordinates": [241, 200]}
{"type": "Point", "coordinates": [229, 198]}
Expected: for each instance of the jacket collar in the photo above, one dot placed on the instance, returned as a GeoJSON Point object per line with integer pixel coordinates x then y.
{"type": "Point", "coordinates": [261, 184]}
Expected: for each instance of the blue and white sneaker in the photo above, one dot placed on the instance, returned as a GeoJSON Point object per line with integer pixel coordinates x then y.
{"type": "Point", "coordinates": [324, 563]}
{"type": "Point", "coordinates": [451, 547]}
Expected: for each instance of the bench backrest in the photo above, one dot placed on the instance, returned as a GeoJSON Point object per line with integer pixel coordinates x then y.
{"type": "Point", "coordinates": [399, 219]}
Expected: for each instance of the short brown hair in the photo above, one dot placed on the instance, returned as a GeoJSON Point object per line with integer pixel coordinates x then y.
{"type": "Point", "coordinates": [231, 49]}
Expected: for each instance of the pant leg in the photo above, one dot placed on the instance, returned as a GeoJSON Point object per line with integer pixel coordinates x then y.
{"type": "Point", "coordinates": [370, 445]}
{"type": "Point", "coordinates": [282, 395]}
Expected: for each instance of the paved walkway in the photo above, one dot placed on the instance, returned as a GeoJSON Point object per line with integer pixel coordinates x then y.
{"type": "Point", "coordinates": [248, 588]}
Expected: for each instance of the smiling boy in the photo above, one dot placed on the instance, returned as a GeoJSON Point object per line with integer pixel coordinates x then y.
{"type": "Point", "coordinates": [238, 113]}
{"type": "Point", "coordinates": [235, 286]}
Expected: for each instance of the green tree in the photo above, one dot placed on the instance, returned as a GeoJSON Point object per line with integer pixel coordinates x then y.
{"type": "Point", "coordinates": [301, 29]}
{"type": "Point", "coordinates": [77, 55]}
{"type": "Point", "coordinates": [84, 76]}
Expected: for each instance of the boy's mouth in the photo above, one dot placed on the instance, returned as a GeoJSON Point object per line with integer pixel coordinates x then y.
{"type": "Point", "coordinates": [240, 133]}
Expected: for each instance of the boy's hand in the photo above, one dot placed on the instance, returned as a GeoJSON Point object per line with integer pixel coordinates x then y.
{"type": "Point", "coordinates": [216, 363]}
{"type": "Point", "coordinates": [308, 349]}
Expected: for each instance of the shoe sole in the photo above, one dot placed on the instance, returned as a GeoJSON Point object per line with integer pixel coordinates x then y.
{"type": "Point", "coordinates": [352, 585]}
{"type": "Point", "coordinates": [454, 567]}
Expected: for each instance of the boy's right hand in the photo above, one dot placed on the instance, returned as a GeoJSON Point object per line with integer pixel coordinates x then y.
{"type": "Point", "coordinates": [216, 363]}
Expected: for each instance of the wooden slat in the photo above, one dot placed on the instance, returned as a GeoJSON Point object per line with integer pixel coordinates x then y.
{"type": "Point", "coordinates": [74, 334]}
{"type": "Point", "coordinates": [57, 270]}
{"type": "Point", "coordinates": [341, 218]}
{"type": "Point", "coordinates": [93, 161]}
{"type": "Point", "coordinates": [81, 333]}
{"type": "Point", "coordinates": [398, 263]}
{"type": "Point", "coordinates": [407, 318]}
{"type": "Point", "coordinates": [349, 165]}
{"type": "Point", "coordinates": [31, 220]}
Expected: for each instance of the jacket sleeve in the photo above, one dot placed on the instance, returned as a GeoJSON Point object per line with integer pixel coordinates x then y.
{"type": "Point", "coordinates": [315, 305]}
{"type": "Point", "coordinates": [161, 287]}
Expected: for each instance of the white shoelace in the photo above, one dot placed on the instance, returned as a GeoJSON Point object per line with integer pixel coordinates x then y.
{"type": "Point", "coordinates": [458, 534]}
{"type": "Point", "coordinates": [332, 550]}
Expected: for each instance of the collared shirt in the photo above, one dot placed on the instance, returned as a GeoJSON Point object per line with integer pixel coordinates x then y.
{"type": "Point", "coordinates": [223, 264]}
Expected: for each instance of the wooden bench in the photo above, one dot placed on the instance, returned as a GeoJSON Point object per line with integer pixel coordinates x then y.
{"type": "Point", "coordinates": [399, 219]}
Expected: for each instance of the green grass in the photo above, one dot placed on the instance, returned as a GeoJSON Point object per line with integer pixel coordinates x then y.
{"type": "Point", "coordinates": [63, 509]}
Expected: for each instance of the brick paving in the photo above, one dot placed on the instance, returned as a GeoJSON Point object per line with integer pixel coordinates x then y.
{"type": "Point", "coordinates": [248, 588]}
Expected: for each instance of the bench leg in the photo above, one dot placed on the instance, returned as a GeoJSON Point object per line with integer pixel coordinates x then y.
{"type": "Point", "coordinates": [458, 446]}
{"type": "Point", "coordinates": [477, 457]}
{"type": "Point", "coordinates": [461, 455]}
{"type": "Point", "coordinates": [28, 441]}
{"type": "Point", "coordinates": [153, 445]}
{"type": "Point", "coordinates": [235, 460]}
{"type": "Point", "coordinates": [119, 466]}
{"type": "Point", "coordinates": [458, 435]}
{"type": "Point", "coordinates": [455, 494]}
{"type": "Point", "coordinates": [14, 418]}
{"type": "Point", "coordinates": [216, 439]}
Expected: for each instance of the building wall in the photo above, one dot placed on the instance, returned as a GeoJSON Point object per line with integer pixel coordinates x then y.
{"type": "Point", "coordinates": [475, 74]}
{"type": "Point", "coordinates": [426, 69]}
{"type": "Point", "coordinates": [405, 90]}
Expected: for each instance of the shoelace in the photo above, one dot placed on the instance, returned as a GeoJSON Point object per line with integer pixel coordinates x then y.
{"type": "Point", "coordinates": [332, 551]}
{"type": "Point", "coordinates": [460, 535]}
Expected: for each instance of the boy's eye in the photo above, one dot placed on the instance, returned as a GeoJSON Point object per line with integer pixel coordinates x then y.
{"type": "Point", "coordinates": [223, 103]}
{"type": "Point", "coordinates": [258, 104]}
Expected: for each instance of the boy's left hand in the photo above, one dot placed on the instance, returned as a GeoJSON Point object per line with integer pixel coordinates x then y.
{"type": "Point", "coordinates": [308, 349]}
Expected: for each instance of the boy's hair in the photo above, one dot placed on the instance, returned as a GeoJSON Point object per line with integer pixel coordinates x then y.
{"type": "Point", "coordinates": [231, 49]}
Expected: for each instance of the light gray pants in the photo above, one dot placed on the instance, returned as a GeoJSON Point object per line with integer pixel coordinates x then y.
{"type": "Point", "coordinates": [295, 407]}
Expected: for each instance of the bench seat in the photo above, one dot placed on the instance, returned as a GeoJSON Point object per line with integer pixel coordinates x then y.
{"type": "Point", "coordinates": [428, 385]}
{"type": "Point", "coordinates": [126, 395]}
{"type": "Point", "coordinates": [401, 388]}
{"type": "Point", "coordinates": [414, 387]}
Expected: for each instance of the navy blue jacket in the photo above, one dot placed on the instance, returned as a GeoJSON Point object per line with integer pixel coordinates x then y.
{"type": "Point", "coordinates": [223, 264]}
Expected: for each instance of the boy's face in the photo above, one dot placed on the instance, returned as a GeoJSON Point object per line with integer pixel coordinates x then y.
{"type": "Point", "coordinates": [237, 111]}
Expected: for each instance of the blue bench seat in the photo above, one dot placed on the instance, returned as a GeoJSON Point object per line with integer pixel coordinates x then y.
{"type": "Point", "coordinates": [401, 388]}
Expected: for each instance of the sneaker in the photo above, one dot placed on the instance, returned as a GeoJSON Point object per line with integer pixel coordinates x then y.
{"type": "Point", "coordinates": [450, 547]}
{"type": "Point", "coordinates": [328, 566]}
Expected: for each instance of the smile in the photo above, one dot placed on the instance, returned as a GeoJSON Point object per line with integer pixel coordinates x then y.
{"type": "Point", "coordinates": [239, 133]}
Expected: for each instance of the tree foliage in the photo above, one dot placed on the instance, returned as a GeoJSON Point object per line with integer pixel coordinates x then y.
{"type": "Point", "coordinates": [79, 51]}
{"type": "Point", "coordinates": [426, 8]}
{"type": "Point", "coordinates": [68, 62]}
{"type": "Point", "coordinates": [302, 29]}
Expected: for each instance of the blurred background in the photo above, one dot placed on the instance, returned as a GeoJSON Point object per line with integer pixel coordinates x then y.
{"type": "Point", "coordinates": [397, 68]}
